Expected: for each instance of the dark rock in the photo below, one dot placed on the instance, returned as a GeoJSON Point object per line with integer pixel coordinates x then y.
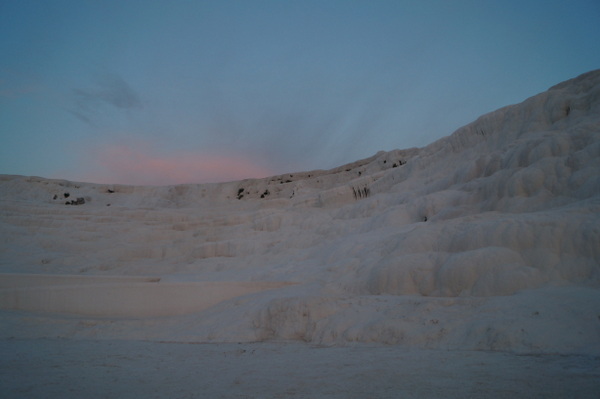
{"type": "Point", "coordinates": [78, 201]}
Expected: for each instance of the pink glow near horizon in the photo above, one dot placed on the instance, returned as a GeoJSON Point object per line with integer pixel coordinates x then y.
{"type": "Point", "coordinates": [137, 164]}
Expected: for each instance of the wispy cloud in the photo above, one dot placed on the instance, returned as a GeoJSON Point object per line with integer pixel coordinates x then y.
{"type": "Point", "coordinates": [110, 93]}
{"type": "Point", "coordinates": [139, 163]}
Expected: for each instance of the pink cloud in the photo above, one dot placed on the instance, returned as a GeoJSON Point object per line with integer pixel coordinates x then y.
{"type": "Point", "coordinates": [139, 164]}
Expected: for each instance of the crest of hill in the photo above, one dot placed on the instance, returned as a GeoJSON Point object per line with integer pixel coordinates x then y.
{"type": "Point", "coordinates": [548, 125]}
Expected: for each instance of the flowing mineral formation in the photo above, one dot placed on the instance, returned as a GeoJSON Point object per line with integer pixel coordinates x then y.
{"type": "Point", "coordinates": [486, 239]}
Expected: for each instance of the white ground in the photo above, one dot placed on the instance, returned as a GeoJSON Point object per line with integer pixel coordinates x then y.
{"type": "Point", "coordinates": [135, 369]}
{"type": "Point", "coordinates": [486, 240]}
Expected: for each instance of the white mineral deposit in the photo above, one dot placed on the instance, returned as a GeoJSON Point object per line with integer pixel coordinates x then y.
{"type": "Point", "coordinates": [466, 268]}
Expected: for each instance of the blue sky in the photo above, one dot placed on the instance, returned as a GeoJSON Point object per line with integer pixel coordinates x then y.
{"type": "Point", "coordinates": [166, 92]}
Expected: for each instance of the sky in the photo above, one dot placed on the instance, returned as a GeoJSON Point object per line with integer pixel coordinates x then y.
{"type": "Point", "coordinates": [168, 92]}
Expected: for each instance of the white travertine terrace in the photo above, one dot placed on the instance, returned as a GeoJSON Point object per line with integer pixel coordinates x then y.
{"type": "Point", "coordinates": [486, 239]}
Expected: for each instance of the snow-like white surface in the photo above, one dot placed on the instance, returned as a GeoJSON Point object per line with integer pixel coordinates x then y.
{"type": "Point", "coordinates": [502, 214]}
{"type": "Point", "coordinates": [488, 239]}
{"type": "Point", "coordinates": [58, 368]}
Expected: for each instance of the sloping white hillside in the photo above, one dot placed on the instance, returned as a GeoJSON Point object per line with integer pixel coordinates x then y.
{"type": "Point", "coordinates": [486, 239]}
